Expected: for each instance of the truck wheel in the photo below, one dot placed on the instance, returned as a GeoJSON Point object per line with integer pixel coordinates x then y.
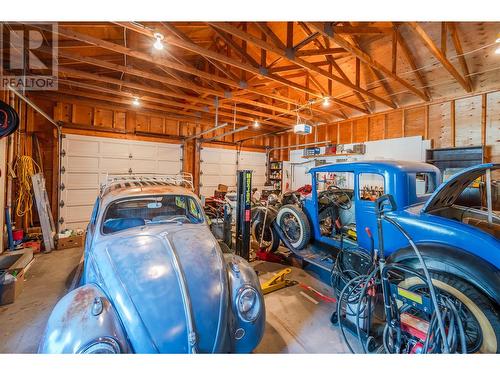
{"type": "Point", "coordinates": [480, 316]}
{"type": "Point", "coordinates": [294, 223]}
{"type": "Point", "coordinates": [271, 240]}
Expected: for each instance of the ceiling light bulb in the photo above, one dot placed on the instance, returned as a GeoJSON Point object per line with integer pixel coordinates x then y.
{"type": "Point", "coordinates": [158, 44]}
{"type": "Point", "coordinates": [136, 102]}
{"type": "Point", "coordinates": [497, 51]}
{"type": "Point", "coordinates": [256, 124]}
{"type": "Point", "coordinates": [326, 102]}
{"type": "Point", "coordinates": [498, 38]}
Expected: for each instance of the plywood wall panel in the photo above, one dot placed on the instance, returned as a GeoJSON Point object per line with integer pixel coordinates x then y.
{"type": "Point", "coordinates": [120, 120]}
{"type": "Point", "coordinates": [156, 125]}
{"type": "Point", "coordinates": [468, 121]}
{"type": "Point", "coordinates": [393, 124]}
{"type": "Point", "coordinates": [360, 130]}
{"type": "Point", "coordinates": [493, 128]}
{"type": "Point", "coordinates": [103, 118]}
{"type": "Point", "coordinates": [376, 129]}
{"type": "Point", "coordinates": [142, 123]}
{"type": "Point", "coordinates": [439, 125]}
{"type": "Point", "coordinates": [83, 114]}
{"type": "Point", "coordinates": [414, 122]}
{"type": "Point", "coordinates": [344, 132]}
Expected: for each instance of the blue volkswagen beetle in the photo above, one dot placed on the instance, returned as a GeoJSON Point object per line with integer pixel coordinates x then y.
{"type": "Point", "coordinates": [459, 241]}
{"type": "Point", "coordinates": [155, 280]}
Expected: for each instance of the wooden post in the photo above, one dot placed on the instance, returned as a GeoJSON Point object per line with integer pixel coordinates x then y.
{"type": "Point", "coordinates": [385, 126]}
{"type": "Point", "coordinates": [426, 122]}
{"type": "Point", "coordinates": [484, 101]}
{"type": "Point", "coordinates": [452, 120]}
{"type": "Point", "coordinates": [403, 122]}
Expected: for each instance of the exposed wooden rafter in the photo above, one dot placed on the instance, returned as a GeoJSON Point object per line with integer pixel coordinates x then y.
{"type": "Point", "coordinates": [438, 54]}
{"type": "Point", "coordinates": [324, 29]}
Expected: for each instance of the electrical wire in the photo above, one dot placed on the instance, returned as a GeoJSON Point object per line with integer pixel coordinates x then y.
{"type": "Point", "coordinates": [25, 167]}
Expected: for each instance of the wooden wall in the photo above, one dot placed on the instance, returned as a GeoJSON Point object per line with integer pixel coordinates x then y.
{"type": "Point", "coordinates": [469, 121]}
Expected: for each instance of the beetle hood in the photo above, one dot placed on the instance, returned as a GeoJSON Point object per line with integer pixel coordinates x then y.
{"type": "Point", "coordinates": [448, 192]}
{"type": "Point", "coordinates": [174, 277]}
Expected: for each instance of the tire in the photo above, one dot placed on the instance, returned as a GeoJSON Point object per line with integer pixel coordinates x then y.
{"type": "Point", "coordinates": [295, 224]}
{"type": "Point", "coordinates": [484, 313]}
{"type": "Point", "coordinates": [271, 238]}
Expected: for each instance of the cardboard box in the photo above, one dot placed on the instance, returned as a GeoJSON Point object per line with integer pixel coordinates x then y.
{"type": "Point", "coordinates": [69, 242]}
{"type": "Point", "coordinates": [10, 287]}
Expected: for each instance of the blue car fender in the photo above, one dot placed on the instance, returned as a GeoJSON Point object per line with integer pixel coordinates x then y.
{"type": "Point", "coordinates": [245, 335]}
{"type": "Point", "coordinates": [80, 319]}
{"type": "Point", "coordinates": [447, 259]}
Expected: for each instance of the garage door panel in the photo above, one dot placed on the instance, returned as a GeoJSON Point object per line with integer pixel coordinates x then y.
{"type": "Point", "coordinates": [114, 165]}
{"type": "Point", "coordinates": [143, 166]}
{"type": "Point", "coordinates": [215, 180]}
{"type": "Point", "coordinates": [79, 147]}
{"type": "Point", "coordinates": [146, 152]}
{"type": "Point", "coordinates": [81, 180]}
{"type": "Point", "coordinates": [216, 169]}
{"type": "Point", "coordinates": [115, 149]}
{"type": "Point", "coordinates": [81, 163]}
{"type": "Point", "coordinates": [81, 196]}
{"type": "Point", "coordinates": [78, 213]}
{"type": "Point", "coordinates": [170, 153]}
{"type": "Point", "coordinates": [168, 167]}
{"type": "Point", "coordinates": [88, 161]}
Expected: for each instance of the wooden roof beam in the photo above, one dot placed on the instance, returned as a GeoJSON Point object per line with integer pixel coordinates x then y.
{"type": "Point", "coordinates": [305, 64]}
{"type": "Point", "coordinates": [319, 52]}
{"type": "Point", "coordinates": [334, 64]}
{"type": "Point", "coordinates": [460, 52]}
{"type": "Point", "coordinates": [411, 61]}
{"type": "Point", "coordinates": [324, 29]}
{"type": "Point", "coordinates": [438, 54]}
{"type": "Point", "coordinates": [228, 113]}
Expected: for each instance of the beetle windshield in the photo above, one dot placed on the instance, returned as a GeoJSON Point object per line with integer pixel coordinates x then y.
{"type": "Point", "coordinates": [151, 210]}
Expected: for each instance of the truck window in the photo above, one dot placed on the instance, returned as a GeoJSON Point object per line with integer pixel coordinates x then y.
{"type": "Point", "coordinates": [371, 186]}
{"type": "Point", "coordinates": [425, 183]}
{"type": "Point", "coordinates": [341, 180]}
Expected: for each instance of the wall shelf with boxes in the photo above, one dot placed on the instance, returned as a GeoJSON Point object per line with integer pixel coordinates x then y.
{"type": "Point", "coordinates": [275, 177]}
{"type": "Point", "coordinates": [334, 151]}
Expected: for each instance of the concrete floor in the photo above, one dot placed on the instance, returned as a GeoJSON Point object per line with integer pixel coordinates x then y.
{"type": "Point", "coordinates": [297, 320]}
{"type": "Point", "coordinates": [22, 323]}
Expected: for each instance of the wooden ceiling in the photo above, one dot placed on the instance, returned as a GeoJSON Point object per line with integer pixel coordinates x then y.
{"type": "Point", "coordinates": [270, 71]}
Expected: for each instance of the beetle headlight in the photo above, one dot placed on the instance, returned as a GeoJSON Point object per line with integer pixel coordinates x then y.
{"type": "Point", "coordinates": [248, 304]}
{"type": "Point", "coordinates": [102, 346]}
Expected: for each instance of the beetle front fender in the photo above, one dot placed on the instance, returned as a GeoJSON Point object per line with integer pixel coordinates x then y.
{"type": "Point", "coordinates": [80, 318]}
{"type": "Point", "coordinates": [447, 259]}
{"type": "Point", "coordinates": [245, 336]}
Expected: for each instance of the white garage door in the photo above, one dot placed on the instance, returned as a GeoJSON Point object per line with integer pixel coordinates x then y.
{"type": "Point", "coordinates": [87, 161]}
{"type": "Point", "coordinates": [218, 166]}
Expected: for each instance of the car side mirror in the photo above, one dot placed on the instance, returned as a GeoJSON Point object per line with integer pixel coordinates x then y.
{"type": "Point", "coordinates": [385, 203]}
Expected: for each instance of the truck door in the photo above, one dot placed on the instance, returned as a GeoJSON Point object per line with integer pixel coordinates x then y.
{"type": "Point", "coordinates": [369, 187]}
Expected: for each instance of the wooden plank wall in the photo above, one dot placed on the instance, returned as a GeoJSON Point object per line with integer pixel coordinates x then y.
{"type": "Point", "coordinates": [467, 121]}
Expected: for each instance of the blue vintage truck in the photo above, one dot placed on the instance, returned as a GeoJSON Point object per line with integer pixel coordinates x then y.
{"type": "Point", "coordinates": [460, 244]}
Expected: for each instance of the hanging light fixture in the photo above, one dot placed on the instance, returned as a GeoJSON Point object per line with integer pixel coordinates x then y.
{"type": "Point", "coordinates": [158, 44]}
{"type": "Point", "coordinates": [136, 102]}
{"type": "Point", "coordinates": [326, 101]}
{"type": "Point", "coordinates": [256, 124]}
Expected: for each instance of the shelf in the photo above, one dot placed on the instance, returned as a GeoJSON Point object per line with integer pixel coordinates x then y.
{"type": "Point", "coordinates": [329, 155]}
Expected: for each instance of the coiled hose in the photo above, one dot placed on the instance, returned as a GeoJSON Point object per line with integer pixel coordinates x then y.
{"type": "Point", "coordinates": [25, 167]}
